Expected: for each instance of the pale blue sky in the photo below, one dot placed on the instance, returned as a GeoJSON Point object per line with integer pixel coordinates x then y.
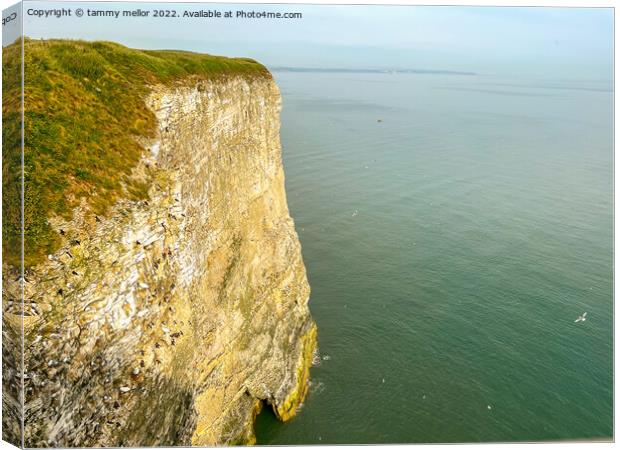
{"type": "Point", "coordinates": [547, 42]}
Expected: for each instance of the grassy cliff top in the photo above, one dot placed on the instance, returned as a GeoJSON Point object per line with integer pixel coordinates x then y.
{"type": "Point", "coordinates": [84, 108]}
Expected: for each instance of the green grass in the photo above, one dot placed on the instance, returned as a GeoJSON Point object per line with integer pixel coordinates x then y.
{"type": "Point", "coordinates": [84, 107]}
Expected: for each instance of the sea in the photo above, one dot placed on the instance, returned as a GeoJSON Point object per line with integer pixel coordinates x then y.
{"type": "Point", "coordinates": [454, 228]}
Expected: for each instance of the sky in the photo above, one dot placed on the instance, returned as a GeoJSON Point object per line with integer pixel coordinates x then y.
{"type": "Point", "coordinates": [567, 43]}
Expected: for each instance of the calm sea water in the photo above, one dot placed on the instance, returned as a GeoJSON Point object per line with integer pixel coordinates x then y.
{"type": "Point", "coordinates": [449, 248]}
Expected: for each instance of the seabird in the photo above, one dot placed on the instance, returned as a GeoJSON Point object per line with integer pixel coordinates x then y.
{"type": "Point", "coordinates": [581, 318]}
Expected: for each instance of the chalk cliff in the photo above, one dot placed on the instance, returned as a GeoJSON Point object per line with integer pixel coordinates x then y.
{"type": "Point", "coordinates": [170, 320]}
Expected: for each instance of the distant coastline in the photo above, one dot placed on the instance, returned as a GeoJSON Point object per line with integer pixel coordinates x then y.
{"type": "Point", "coordinates": [390, 71]}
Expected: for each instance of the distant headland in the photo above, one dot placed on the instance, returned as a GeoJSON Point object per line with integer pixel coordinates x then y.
{"type": "Point", "coordinates": [388, 71]}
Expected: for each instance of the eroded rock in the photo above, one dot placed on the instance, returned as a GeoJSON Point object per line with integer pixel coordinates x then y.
{"type": "Point", "coordinates": [172, 321]}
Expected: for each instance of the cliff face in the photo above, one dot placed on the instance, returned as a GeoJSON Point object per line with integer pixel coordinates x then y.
{"type": "Point", "coordinates": [172, 320]}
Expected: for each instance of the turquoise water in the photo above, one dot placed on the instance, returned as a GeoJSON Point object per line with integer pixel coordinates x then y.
{"type": "Point", "coordinates": [449, 248]}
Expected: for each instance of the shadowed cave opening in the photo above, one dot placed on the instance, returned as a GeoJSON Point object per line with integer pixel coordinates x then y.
{"type": "Point", "coordinates": [266, 424]}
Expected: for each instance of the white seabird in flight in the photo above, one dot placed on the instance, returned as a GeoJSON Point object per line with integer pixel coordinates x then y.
{"type": "Point", "coordinates": [581, 318]}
